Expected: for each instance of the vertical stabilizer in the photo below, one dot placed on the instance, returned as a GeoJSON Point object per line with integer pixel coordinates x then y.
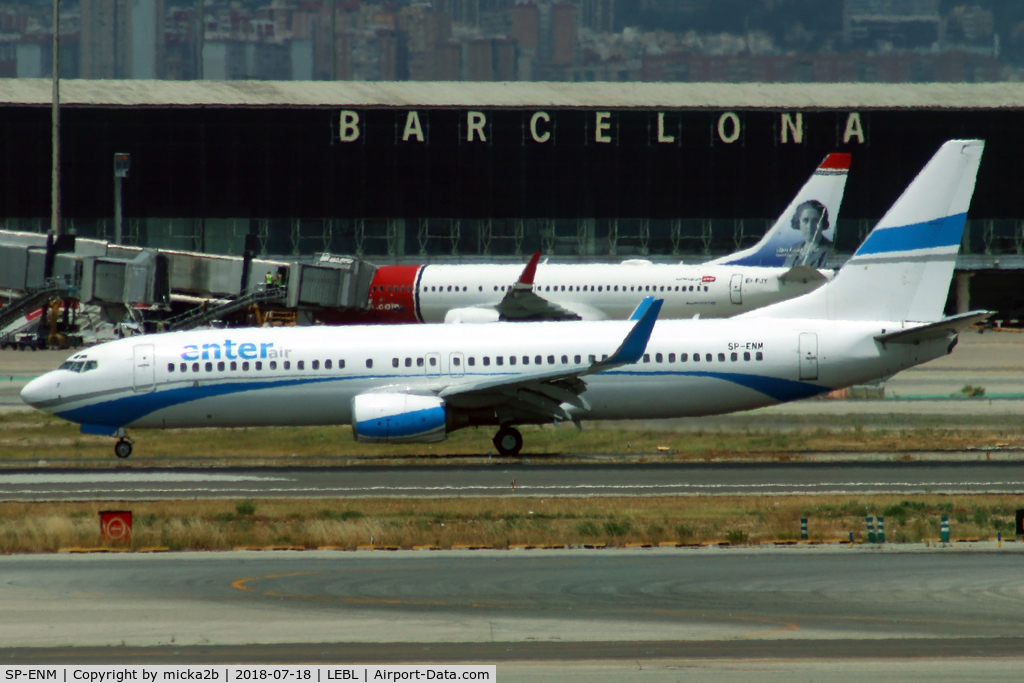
{"type": "Point", "coordinates": [903, 269]}
{"type": "Point", "coordinates": [803, 234]}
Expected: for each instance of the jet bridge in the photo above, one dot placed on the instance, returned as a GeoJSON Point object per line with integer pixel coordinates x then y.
{"type": "Point", "coordinates": [122, 280]}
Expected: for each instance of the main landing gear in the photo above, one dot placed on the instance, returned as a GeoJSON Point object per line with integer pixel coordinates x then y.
{"type": "Point", "coordinates": [508, 441]}
{"type": "Point", "coordinates": [123, 448]}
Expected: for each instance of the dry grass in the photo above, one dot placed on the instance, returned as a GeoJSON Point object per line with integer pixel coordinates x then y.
{"type": "Point", "coordinates": [26, 438]}
{"type": "Point", "coordinates": [501, 522]}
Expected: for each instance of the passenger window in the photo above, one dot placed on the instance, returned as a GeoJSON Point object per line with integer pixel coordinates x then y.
{"type": "Point", "coordinates": [511, 360]}
{"type": "Point", "coordinates": [746, 355]}
{"type": "Point", "coordinates": [327, 364]}
{"type": "Point", "coordinates": [734, 356]}
{"type": "Point", "coordinates": [316, 365]}
{"type": "Point", "coordinates": [696, 358]}
{"type": "Point", "coordinates": [683, 357]}
{"type": "Point", "coordinates": [408, 362]}
{"type": "Point", "coordinates": [234, 366]}
{"type": "Point", "coordinates": [341, 364]}
{"type": "Point", "coordinates": [707, 357]}
{"type": "Point", "coordinates": [419, 362]}
{"type": "Point", "coordinates": [499, 360]}
{"type": "Point", "coordinates": [245, 366]}
{"type": "Point", "coordinates": [472, 361]}
{"type": "Point", "coordinates": [551, 360]}
{"type": "Point", "coordinates": [577, 359]}
{"type": "Point", "coordinates": [658, 358]}
{"type": "Point", "coordinates": [537, 360]}
{"type": "Point", "coordinates": [433, 361]}
{"type": "Point", "coordinates": [170, 367]}
{"type": "Point", "coordinates": [592, 358]}
{"type": "Point", "coordinates": [547, 289]}
{"type": "Point", "coordinates": [369, 362]}
{"type": "Point", "coordinates": [287, 365]}
{"type": "Point", "coordinates": [647, 358]}
{"type": "Point", "coordinates": [604, 357]}
{"type": "Point", "coordinates": [526, 360]}
{"type": "Point", "coordinates": [259, 365]}
{"type": "Point", "coordinates": [565, 360]}
{"type": "Point", "coordinates": [721, 358]}
{"type": "Point", "coordinates": [273, 365]}
{"type": "Point", "coordinates": [456, 362]}
{"type": "Point", "coordinates": [183, 367]}
{"type": "Point", "coordinates": [301, 365]}
{"type": "Point", "coordinates": [220, 366]}
{"type": "Point", "coordinates": [691, 288]}
{"type": "Point", "coordinates": [487, 360]}
{"type": "Point", "coordinates": [209, 367]}
{"type": "Point", "coordinates": [758, 356]}
{"type": "Point", "coordinates": [195, 367]}
{"type": "Point", "coordinates": [394, 362]}
{"type": "Point", "coordinates": [671, 358]}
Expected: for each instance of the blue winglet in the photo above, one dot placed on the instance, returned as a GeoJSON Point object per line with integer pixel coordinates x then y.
{"type": "Point", "coordinates": [635, 343]}
{"type": "Point", "coordinates": [641, 308]}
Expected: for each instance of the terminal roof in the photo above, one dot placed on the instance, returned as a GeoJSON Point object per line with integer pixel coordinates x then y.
{"type": "Point", "coordinates": [405, 94]}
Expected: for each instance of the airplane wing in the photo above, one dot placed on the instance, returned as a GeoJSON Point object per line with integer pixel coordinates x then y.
{"type": "Point", "coordinates": [936, 330]}
{"type": "Point", "coordinates": [544, 390]}
{"type": "Point", "coordinates": [522, 303]}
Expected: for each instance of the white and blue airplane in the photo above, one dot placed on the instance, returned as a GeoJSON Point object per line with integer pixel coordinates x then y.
{"type": "Point", "coordinates": [881, 314]}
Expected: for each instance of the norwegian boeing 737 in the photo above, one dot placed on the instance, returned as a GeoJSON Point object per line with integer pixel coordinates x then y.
{"type": "Point", "coordinates": [881, 314]}
{"type": "Point", "coordinates": [783, 265]}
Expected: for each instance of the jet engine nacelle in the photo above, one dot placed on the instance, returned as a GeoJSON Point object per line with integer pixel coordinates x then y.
{"type": "Point", "coordinates": [398, 418]}
{"type": "Point", "coordinates": [471, 315]}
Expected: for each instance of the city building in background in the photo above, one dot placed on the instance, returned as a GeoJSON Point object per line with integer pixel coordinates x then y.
{"type": "Point", "coordinates": [515, 40]}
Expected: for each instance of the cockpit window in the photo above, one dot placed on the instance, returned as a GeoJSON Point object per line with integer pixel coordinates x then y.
{"type": "Point", "coordinates": [66, 365]}
{"type": "Point", "coordinates": [90, 365]}
{"type": "Point", "coordinates": [77, 366]}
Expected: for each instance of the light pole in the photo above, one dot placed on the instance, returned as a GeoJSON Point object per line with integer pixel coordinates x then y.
{"type": "Point", "coordinates": [121, 163]}
{"type": "Point", "coordinates": [55, 126]}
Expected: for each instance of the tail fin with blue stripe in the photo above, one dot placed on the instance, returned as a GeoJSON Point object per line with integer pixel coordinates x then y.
{"type": "Point", "coordinates": [903, 269]}
{"type": "Point", "coordinates": [803, 234]}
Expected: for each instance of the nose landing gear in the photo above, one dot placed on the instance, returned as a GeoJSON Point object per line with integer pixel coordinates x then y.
{"type": "Point", "coordinates": [123, 447]}
{"type": "Point", "coordinates": [508, 441]}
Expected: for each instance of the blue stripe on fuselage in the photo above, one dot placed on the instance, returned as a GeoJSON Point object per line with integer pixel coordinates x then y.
{"type": "Point", "coordinates": [121, 412]}
{"type": "Point", "coordinates": [941, 232]}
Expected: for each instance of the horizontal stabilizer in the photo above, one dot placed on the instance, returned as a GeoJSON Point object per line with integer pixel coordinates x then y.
{"type": "Point", "coordinates": [804, 274]}
{"type": "Point", "coordinates": [936, 330]}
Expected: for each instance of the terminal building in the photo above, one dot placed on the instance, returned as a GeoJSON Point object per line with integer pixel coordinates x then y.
{"type": "Point", "coordinates": [410, 171]}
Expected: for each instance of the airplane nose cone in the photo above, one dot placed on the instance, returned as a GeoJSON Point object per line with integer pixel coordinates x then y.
{"type": "Point", "coordinates": [37, 391]}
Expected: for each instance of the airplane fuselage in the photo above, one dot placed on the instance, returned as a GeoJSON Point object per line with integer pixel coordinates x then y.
{"type": "Point", "coordinates": [592, 291]}
{"type": "Point", "coordinates": [309, 376]}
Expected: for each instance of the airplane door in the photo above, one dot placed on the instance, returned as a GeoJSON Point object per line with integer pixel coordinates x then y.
{"type": "Point", "coordinates": [455, 365]}
{"type": "Point", "coordinates": [736, 289]}
{"type": "Point", "coordinates": [433, 367]}
{"type": "Point", "coordinates": [808, 355]}
{"type": "Point", "coordinates": [145, 368]}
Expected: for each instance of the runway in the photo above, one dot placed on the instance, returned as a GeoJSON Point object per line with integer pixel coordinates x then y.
{"type": "Point", "coordinates": [529, 480]}
{"type": "Point", "coordinates": [491, 606]}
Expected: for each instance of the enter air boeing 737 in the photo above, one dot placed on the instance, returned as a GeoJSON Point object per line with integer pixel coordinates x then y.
{"type": "Point", "coordinates": [782, 265]}
{"type": "Point", "coordinates": [881, 314]}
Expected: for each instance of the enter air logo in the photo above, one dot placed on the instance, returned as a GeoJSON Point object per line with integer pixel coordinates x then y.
{"type": "Point", "coordinates": [232, 351]}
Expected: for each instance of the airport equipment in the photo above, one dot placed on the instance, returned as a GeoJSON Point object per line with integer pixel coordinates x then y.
{"type": "Point", "coordinates": [803, 528]}
{"type": "Point", "coordinates": [881, 529]}
{"type": "Point", "coordinates": [944, 529]}
{"type": "Point", "coordinates": [871, 529]}
{"type": "Point", "coordinates": [203, 315]}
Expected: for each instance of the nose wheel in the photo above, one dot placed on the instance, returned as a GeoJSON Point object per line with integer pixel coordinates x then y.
{"type": "Point", "coordinates": [508, 441]}
{"type": "Point", "coordinates": [123, 448]}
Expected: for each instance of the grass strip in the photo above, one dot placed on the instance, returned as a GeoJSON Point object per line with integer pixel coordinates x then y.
{"type": "Point", "coordinates": [27, 438]}
{"type": "Point", "coordinates": [500, 522]}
